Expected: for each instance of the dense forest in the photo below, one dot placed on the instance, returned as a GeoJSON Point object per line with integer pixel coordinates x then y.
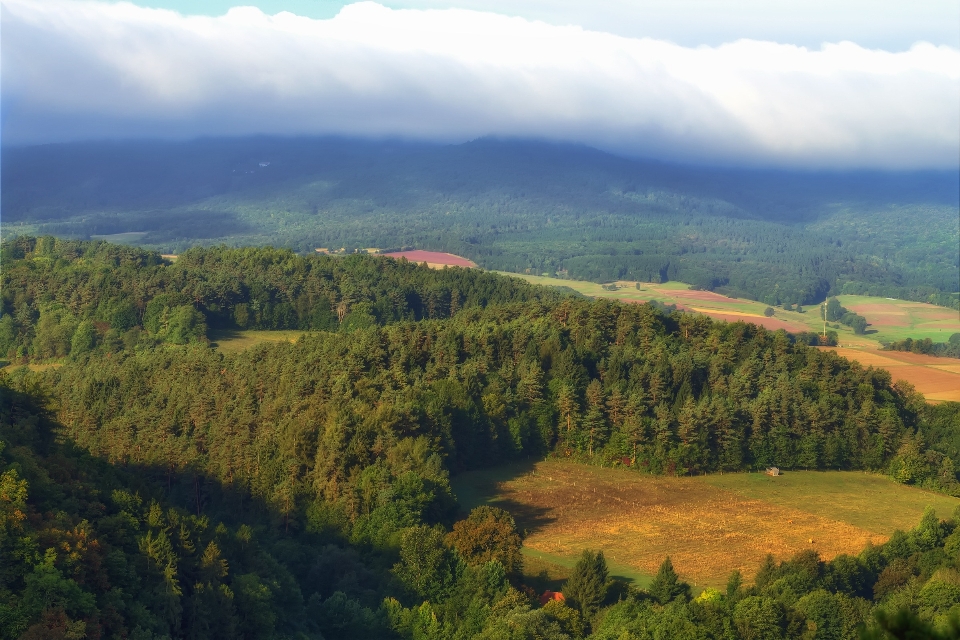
{"type": "Point", "coordinates": [98, 550]}
{"type": "Point", "coordinates": [154, 487]}
{"type": "Point", "coordinates": [779, 237]}
{"type": "Point", "coordinates": [64, 297]}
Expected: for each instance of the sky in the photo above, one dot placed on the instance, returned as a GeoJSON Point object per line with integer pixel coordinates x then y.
{"type": "Point", "coordinates": [813, 84]}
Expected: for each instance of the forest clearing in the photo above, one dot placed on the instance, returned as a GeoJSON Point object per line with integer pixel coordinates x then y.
{"type": "Point", "coordinates": [709, 525]}
{"type": "Point", "coordinates": [233, 341]}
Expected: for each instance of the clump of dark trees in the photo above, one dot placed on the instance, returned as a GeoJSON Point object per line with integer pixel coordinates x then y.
{"type": "Point", "coordinates": [833, 311]}
{"type": "Point", "coordinates": [155, 489]}
{"type": "Point", "coordinates": [926, 346]}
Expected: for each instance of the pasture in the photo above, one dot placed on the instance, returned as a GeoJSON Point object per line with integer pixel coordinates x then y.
{"type": "Point", "coordinates": [709, 525]}
{"type": "Point", "coordinates": [232, 341]}
{"type": "Point", "coordinates": [709, 303]}
{"type": "Point", "coordinates": [898, 319]}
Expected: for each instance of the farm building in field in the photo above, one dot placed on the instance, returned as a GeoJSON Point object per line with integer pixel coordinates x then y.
{"type": "Point", "coordinates": [773, 471]}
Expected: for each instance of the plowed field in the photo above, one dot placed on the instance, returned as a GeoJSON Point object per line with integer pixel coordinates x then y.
{"type": "Point", "coordinates": [433, 259]}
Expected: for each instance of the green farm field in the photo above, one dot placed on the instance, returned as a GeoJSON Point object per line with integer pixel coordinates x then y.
{"type": "Point", "coordinates": [898, 319]}
{"type": "Point", "coordinates": [709, 525]}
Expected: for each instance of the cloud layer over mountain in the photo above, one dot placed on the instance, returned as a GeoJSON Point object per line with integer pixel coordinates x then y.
{"type": "Point", "coordinates": [75, 70]}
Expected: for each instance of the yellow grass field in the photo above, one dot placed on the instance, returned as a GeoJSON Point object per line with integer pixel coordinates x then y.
{"type": "Point", "coordinates": [233, 341]}
{"type": "Point", "coordinates": [709, 525]}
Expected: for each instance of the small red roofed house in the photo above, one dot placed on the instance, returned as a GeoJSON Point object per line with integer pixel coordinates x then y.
{"type": "Point", "coordinates": [551, 595]}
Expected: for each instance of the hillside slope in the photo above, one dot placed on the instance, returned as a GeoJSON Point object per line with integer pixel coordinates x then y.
{"type": "Point", "coordinates": [519, 206]}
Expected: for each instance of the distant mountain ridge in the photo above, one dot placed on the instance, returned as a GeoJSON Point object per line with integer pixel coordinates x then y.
{"type": "Point", "coordinates": [775, 235]}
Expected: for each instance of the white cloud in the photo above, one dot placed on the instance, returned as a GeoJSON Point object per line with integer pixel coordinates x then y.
{"type": "Point", "coordinates": [85, 69]}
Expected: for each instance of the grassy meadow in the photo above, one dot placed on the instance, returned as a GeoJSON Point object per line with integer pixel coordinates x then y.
{"type": "Point", "coordinates": [709, 525]}
{"type": "Point", "coordinates": [233, 341]}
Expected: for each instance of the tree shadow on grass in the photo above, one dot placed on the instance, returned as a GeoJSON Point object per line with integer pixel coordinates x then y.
{"type": "Point", "coordinates": [217, 335]}
{"type": "Point", "coordinates": [482, 487]}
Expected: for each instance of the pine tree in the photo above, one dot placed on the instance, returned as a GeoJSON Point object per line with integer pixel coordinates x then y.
{"type": "Point", "coordinates": [666, 586]}
{"type": "Point", "coordinates": [586, 588]}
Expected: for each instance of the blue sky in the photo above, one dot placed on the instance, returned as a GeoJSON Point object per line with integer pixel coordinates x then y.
{"type": "Point", "coordinates": [808, 84]}
{"type": "Point", "coordinates": [893, 26]}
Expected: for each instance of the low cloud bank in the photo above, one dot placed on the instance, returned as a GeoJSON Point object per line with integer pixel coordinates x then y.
{"type": "Point", "coordinates": [75, 70]}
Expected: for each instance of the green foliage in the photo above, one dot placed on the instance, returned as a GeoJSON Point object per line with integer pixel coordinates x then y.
{"type": "Point", "coordinates": [488, 533]}
{"type": "Point", "coordinates": [153, 489]}
{"type": "Point", "coordinates": [666, 586]}
{"type": "Point", "coordinates": [949, 349]}
{"type": "Point", "coordinates": [586, 588]}
{"type": "Point", "coordinates": [110, 298]}
{"type": "Point", "coordinates": [427, 568]}
{"type": "Point", "coordinates": [835, 312]}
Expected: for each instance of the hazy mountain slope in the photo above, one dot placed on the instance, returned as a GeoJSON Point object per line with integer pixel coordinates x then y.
{"type": "Point", "coordinates": [773, 235]}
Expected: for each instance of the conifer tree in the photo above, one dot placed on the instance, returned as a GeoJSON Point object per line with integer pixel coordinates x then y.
{"type": "Point", "coordinates": [666, 586]}
{"type": "Point", "coordinates": [586, 588]}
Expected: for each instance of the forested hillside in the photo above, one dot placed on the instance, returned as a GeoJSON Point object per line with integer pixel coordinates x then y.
{"type": "Point", "coordinates": [779, 237]}
{"type": "Point", "coordinates": [153, 489]}
{"type": "Point", "coordinates": [63, 297]}
{"type": "Point", "coordinates": [98, 550]}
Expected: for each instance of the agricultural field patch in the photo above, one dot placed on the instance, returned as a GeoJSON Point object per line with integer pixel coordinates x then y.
{"type": "Point", "coordinates": [890, 320]}
{"type": "Point", "coordinates": [434, 259]}
{"type": "Point", "coordinates": [772, 324]}
{"type": "Point", "coordinates": [858, 498]}
{"type": "Point", "coordinates": [898, 319]}
{"type": "Point", "coordinates": [709, 525]}
{"type": "Point", "coordinates": [233, 341]}
{"type": "Point", "coordinates": [938, 379]}
{"type": "Point", "coordinates": [127, 237]}
{"type": "Point", "coordinates": [712, 304]}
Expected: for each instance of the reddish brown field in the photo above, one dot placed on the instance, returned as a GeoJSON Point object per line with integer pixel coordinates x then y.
{"type": "Point", "coordinates": [702, 296]}
{"type": "Point", "coordinates": [768, 323]}
{"type": "Point", "coordinates": [433, 258]}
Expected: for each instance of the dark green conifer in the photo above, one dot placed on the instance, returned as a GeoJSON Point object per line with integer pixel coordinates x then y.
{"type": "Point", "coordinates": [586, 588]}
{"type": "Point", "coordinates": [666, 586]}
